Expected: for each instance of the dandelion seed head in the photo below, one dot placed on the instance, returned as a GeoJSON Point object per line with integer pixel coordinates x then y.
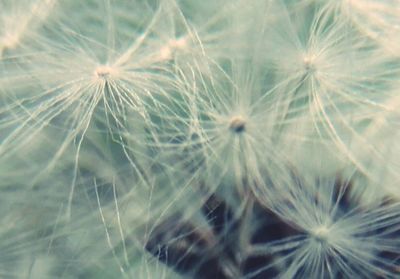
{"type": "Point", "coordinates": [192, 113]}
